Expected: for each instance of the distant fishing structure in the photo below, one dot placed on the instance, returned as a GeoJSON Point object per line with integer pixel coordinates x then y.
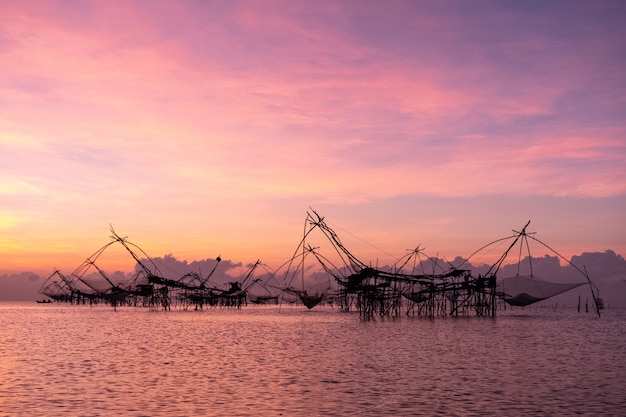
{"type": "Point", "coordinates": [311, 278]}
{"type": "Point", "coordinates": [148, 287]}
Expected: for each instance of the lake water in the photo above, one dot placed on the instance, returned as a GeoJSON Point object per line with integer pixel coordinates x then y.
{"type": "Point", "coordinates": [64, 360]}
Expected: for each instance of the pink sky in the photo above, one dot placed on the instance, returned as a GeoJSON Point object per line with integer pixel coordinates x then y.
{"type": "Point", "coordinates": [203, 128]}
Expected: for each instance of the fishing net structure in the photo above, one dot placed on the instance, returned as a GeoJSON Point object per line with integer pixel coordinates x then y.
{"type": "Point", "coordinates": [526, 289]}
{"type": "Point", "coordinates": [407, 286]}
{"type": "Point", "coordinates": [324, 272]}
{"type": "Point", "coordinates": [523, 290]}
{"type": "Point", "coordinates": [147, 286]}
{"type": "Point", "coordinates": [388, 291]}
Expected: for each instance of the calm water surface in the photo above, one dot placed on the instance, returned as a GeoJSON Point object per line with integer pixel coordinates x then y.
{"type": "Point", "coordinates": [58, 360]}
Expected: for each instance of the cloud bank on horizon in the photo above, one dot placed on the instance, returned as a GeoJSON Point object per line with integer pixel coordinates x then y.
{"type": "Point", "coordinates": [204, 126]}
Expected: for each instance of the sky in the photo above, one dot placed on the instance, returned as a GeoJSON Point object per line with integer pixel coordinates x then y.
{"type": "Point", "coordinates": [205, 128]}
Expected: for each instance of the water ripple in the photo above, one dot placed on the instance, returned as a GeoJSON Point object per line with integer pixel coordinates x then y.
{"type": "Point", "coordinates": [81, 361]}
